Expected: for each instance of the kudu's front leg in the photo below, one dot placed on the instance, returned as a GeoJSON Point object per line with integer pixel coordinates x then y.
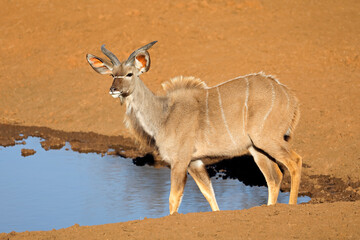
{"type": "Point", "coordinates": [198, 172]}
{"type": "Point", "coordinates": [178, 181]}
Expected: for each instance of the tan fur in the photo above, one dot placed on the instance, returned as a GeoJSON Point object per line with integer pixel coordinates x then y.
{"type": "Point", "coordinates": [295, 119]}
{"type": "Point", "coordinates": [141, 137]}
{"type": "Point", "coordinates": [253, 114]}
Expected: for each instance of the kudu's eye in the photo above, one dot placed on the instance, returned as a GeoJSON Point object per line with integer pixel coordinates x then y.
{"type": "Point", "coordinates": [129, 75]}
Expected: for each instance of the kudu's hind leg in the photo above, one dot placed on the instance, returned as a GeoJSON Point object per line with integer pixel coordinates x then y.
{"type": "Point", "coordinates": [198, 172]}
{"type": "Point", "coordinates": [293, 163]}
{"type": "Point", "coordinates": [271, 172]}
{"type": "Point", "coordinates": [295, 176]}
{"type": "Point", "coordinates": [289, 158]}
{"type": "Point", "coordinates": [178, 181]}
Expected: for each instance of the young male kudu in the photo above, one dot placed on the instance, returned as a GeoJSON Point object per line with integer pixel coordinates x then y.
{"type": "Point", "coordinates": [253, 114]}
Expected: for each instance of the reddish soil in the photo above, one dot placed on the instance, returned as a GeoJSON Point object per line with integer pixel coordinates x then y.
{"type": "Point", "coordinates": [47, 89]}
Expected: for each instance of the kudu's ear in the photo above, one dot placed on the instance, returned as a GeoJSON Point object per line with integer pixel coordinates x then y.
{"type": "Point", "coordinates": [99, 65]}
{"type": "Point", "coordinates": [142, 62]}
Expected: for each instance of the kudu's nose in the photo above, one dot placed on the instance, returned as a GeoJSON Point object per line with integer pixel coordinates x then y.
{"type": "Point", "coordinates": [112, 89]}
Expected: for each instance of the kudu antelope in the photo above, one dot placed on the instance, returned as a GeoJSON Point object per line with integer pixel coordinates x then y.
{"type": "Point", "coordinates": [253, 114]}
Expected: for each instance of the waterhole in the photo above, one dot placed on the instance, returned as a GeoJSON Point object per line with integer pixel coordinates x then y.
{"type": "Point", "coordinates": [59, 188]}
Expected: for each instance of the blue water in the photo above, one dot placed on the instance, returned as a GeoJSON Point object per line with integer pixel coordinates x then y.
{"type": "Point", "coordinates": [59, 188]}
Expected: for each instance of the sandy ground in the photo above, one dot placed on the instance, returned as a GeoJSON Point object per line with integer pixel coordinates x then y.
{"type": "Point", "coordinates": [311, 221]}
{"type": "Point", "coordinates": [311, 46]}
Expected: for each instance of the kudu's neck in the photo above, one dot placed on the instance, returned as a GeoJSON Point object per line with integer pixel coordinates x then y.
{"type": "Point", "coordinates": [148, 109]}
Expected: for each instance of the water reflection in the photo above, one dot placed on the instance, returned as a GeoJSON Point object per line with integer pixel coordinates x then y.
{"type": "Point", "coordinates": [58, 188]}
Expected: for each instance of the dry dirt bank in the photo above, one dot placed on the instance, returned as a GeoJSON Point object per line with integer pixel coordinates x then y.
{"type": "Point", "coordinates": [339, 220]}
{"type": "Point", "coordinates": [313, 47]}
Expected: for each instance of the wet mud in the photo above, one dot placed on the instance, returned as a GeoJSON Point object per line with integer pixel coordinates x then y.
{"type": "Point", "coordinates": [27, 152]}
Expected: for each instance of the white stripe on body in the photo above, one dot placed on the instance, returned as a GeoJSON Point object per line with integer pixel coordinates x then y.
{"type": "Point", "coordinates": [245, 109]}
{"type": "Point", "coordinates": [271, 107]}
{"type": "Point", "coordinates": [207, 117]}
{"type": "Point", "coordinates": [288, 132]}
{"type": "Point", "coordinates": [283, 88]}
{"type": "Point", "coordinates": [288, 99]}
{"type": "Point", "coordinates": [224, 118]}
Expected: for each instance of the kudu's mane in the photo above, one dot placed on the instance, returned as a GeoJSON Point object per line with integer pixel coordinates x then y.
{"type": "Point", "coordinates": [182, 82]}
